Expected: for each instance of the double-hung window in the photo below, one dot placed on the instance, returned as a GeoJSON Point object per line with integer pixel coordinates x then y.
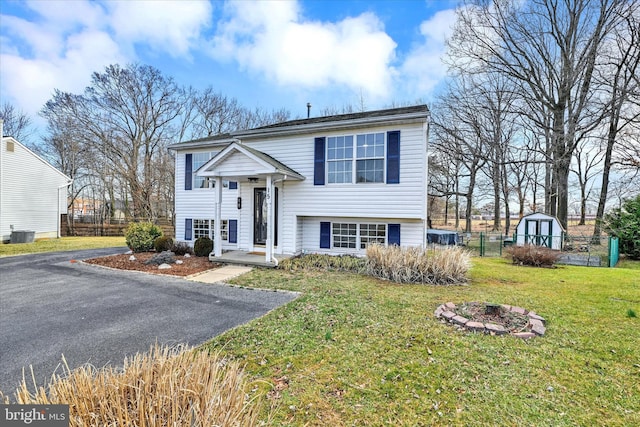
{"type": "Point", "coordinates": [344, 235]}
{"type": "Point", "coordinates": [352, 236]}
{"type": "Point", "coordinates": [368, 162]}
{"type": "Point", "coordinates": [206, 228]}
{"type": "Point", "coordinates": [340, 159]}
{"type": "Point", "coordinates": [370, 157]}
{"type": "Point", "coordinates": [372, 233]}
{"type": "Point", "coordinates": [200, 159]}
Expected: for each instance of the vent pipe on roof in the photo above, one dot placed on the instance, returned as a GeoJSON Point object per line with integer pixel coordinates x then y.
{"type": "Point", "coordinates": [308, 110]}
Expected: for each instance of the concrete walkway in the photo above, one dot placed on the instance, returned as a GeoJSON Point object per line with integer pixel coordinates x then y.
{"type": "Point", "coordinates": [220, 275]}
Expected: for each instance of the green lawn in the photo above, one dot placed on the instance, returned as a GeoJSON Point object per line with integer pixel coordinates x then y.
{"type": "Point", "coordinates": [353, 350]}
{"type": "Point", "coordinates": [61, 244]}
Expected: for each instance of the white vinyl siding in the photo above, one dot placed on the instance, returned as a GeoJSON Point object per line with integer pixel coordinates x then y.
{"type": "Point", "coordinates": [373, 203]}
{"type": "Point", "coordinates": [33, 192]}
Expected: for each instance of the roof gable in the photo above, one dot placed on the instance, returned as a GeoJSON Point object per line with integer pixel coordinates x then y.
{"type": "Point", "coordinates": [226, 162]}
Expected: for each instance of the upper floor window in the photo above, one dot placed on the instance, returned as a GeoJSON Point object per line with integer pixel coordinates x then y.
{"type": "Point", "coordinates": [340, 159]}
{"type": "Point", "coordinates": [370, 157]}
{"type": "Point", "coordinates": [200, 159]}
{"type": "Point", "coordinates": [368, 162]}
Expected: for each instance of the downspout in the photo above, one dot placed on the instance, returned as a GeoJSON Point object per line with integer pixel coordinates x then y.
{"type": "Point", "coordinates": [273, 184]}
{"type": "Point", "coordinates": [59, 213]}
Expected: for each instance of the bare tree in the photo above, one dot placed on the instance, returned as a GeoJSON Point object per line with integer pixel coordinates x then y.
{"type": "Point", "coordinates": [127, 116]}
{"type": "Point", "coordinates": [16, 123]}
{"type": "Point", "coordinates": [621, 84]}
{"type": "Point", "coordinates": [548, 48]}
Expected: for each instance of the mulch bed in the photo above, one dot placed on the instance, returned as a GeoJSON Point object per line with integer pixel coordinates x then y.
{"type": "Point", "coordinates": [189, 266]}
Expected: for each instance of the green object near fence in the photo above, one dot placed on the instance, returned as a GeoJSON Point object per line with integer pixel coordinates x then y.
{"type": "Point", "coordinates": [491, 245]}
{"type": "Point", "coordinates": [614, 252]}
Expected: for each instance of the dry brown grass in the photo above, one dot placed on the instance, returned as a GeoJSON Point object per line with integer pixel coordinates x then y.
{"type": "Point", "coordinates": [416, 265]}
{"type": "Point", "coordinates": [536, 256]}
{"type": "Point", "coordinates": [165, 387]}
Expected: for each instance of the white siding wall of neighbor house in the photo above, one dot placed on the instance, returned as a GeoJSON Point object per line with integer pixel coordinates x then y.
{"type": "Point", "coordinates": [29, 186]}
{"type": "Point", "coordinates": [303, 205]}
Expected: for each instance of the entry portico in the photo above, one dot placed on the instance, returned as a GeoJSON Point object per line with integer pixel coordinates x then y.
{"type": "Point", "coordinates": [249, 168]}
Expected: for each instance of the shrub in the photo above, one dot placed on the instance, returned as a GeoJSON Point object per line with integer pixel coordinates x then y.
{"type": "Point", "coordinates": [536, 256]}
{"type": "Point", "coordinates": [141, 235]}
{"type": "Point", "coordinates": [203, 246]}
{"type": "Point", "coordinates": [324, 262]}
{"type": "Point", "coordinates": [181, 248]}
{"type": "Point", "coordinates": [163, 243]}
{"type": "Point", "coordinates": [416, 265]}
{"type": "Point", "coordinates": [164, 387]}
{"type": "Point", "coordinates": [624, 223]}
{"type": "Point", "coordinates": [165, 257]}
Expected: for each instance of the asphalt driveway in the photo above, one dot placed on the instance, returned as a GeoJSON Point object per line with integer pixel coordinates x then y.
{"type": "Point", "coordinates": [50, 306]}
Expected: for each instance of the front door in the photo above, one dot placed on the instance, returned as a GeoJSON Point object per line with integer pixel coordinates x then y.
{"type": "Point", "coordinates": [260, 216]}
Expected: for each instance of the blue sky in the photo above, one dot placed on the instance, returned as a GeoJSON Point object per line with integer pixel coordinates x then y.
{"type": "Point", "coordinates": [267, 54]}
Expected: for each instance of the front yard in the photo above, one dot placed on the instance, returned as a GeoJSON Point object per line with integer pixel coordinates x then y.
{"type": "Point", "coordinates": [358, 351]}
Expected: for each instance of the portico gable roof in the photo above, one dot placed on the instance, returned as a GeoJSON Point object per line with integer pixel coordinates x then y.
{"type": "Point", "coordinates": [262, 164]}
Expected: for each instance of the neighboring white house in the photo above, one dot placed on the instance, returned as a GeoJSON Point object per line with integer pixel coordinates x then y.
{"type": "Point", "coordinates": [325, 185]}
{"type": "Point", "coordinates": [541, 230]}
{"type": "Point", "coordinates": [33, 193]}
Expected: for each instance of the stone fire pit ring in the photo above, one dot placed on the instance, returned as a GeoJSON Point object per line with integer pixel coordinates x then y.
{"type": "Point", "coordinates": [534, 327]}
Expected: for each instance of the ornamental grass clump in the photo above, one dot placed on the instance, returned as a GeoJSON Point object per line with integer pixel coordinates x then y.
{"type": "Point", "coordinates": [416, 265]}
{"type": "Point", "coordinates": [324, 262]}
{"type": "Point", "coordinates": [166, 387]}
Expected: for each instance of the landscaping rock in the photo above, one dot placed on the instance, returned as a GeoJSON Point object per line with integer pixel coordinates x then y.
{"type": "Point", "coordinates": [164, 266]}
{"type": "Point", "coordinates": [460, 320]}
{"type": "Point", "coordinates": [537, 327]}
{"type": "Point", "coordinates": [132, 258]}
{"type": "Point", "coordinates": [532, 315]}
{"type": "Point", "coordinates": [495, 329]}
{"type": "Point", "coordinates": [524, 335]}
{"type": "Point", "coordinates": [450, 305]}
{"type": "Point", "coordinates": [448, 315]}
{"type": "Point", "coordinates": [518, 310]}
{"type": "Point", "coordinates": [475, 326]}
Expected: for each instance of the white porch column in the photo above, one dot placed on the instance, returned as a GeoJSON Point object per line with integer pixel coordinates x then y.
{"type": "Point", "coordinates": [269, 244]}
{"type": "Point", "coordinates": [217, 235]}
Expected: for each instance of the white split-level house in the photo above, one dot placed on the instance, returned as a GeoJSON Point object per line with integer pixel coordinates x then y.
{"type": "Point", "coordinates": [33, 193]}
{"type": "Point", "coordinates": [318, 185]}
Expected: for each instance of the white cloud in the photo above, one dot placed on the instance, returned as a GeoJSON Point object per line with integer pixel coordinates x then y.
{"type": "Point", "coordinates": [423, 68]}
{"type": "Point", "coordinates": [169, 26]}
{"type": "Point", "coordinates": [66, 41]}
{"type": "Point", "coordinates": [273, 39]}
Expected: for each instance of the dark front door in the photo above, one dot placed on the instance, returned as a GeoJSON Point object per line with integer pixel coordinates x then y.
{"type": "Point", "coordinates": [260, 216]}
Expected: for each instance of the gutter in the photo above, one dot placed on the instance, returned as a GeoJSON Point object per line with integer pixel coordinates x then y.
{"type": "Point", "coordinates": [342, 124]}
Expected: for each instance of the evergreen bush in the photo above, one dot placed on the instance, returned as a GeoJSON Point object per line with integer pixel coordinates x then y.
{"type": "Point", "coordinates": [181, 248]}
{"type": "Point", "coordinates": [163, 243]}
{"type": "Point", "coordinates": [624, 223]}
{"type": "Point", "coordinates": [141, 235]}
{"type": "Point", "coordinates": [203, 246]}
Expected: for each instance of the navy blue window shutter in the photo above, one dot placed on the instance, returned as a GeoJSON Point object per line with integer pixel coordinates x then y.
{"type": "Point", "coordinates": [325, 235]}
{"type": "Point", "coordinates": [394, 234]}
{"type": "Point", "coordinates": [318, 161]}
{"type": "Point", "coordinates": [233, 231]}
{"type": "Point", "coordinates": [233, 185]}
{"type": "Point", "coordinates": [188, 171]}
{"type": "Point", "coordinates": [188, 228]}
{"type": "Point", "coordinates": [393, 157]}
